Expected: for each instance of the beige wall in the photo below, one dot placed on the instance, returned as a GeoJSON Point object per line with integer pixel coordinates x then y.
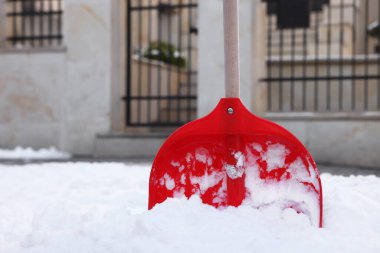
{"type": "Point", "coordinates": [343, 142]}
{"type": "Point", "coordinates": [60, 97]}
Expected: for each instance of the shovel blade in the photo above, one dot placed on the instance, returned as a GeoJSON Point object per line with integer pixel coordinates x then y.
{"type": "Point", "coordinates": [231, 157]}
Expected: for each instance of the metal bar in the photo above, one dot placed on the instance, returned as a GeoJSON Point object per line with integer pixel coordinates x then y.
{"type": "Point", "coordinates": [340, 91]}
{"type": "Point", "coordinates": [179, 42]}
{"type": "Point", "coordinates": [139, 73]}
{"type": "Point", "coordinates": [366, 56]}
{"type": "Point", "coordinates": [50, 24]}
{"type": "Point", "coordinates": [14, 24]}
{"type": "Point", "coordinates": [31, 13]}
{"type": "Point", "coordinates": [59, 25]}
{"type": "Point", "coordinates": [328, 85]}
{"type": "Point", "coordinates": [155, 7]}
{"type": "Point", "coordinates": [304, 68]}
{"type": "Point", "coordinates": [128, 61]}
{"type": "Point", "coordinates": [269, 68]}
{"type": "Point", "coordinates": [378, 62]}
{"type": "Point", "coordinates": [23, 32]}
{"type": "Point", "coordinates": [281, 70]}
{"type": "Point", "coordinates": [189, 48]}
{"type": "Point", "coordinates": [316, 63]}
{"type": "Point", "coordinates": [41, 23]}
{"type": "Point", "coordinates": [353, 60]}
{"type": "Point", "coordinates": [292, 70]}
{"type": "Point", "coordinates": [169, 69]}
{"type": "Point", "coordinates": [320, 78]}
{"type": "Point", "coordinates": [25, 38]}
{"type": "Point", "coordinates": [32, 23]}
{"type": "Point", "coordinates": [149, 65]}
{"type": "Point", "coordinates": [159, 72]}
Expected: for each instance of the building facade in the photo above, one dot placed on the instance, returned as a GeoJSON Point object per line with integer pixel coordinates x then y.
{"type": "Point", "coordinates": [115, 78]}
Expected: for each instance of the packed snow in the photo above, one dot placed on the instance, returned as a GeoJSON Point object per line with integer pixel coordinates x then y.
{"type": "Point", "coordinates": [270, 182]}
{"type": "Point", "coordinates": [20, 153]}
{"type": "Point", "coordinates": [275, 156]}
{"type": "Point", "coordinates": [102, 207]}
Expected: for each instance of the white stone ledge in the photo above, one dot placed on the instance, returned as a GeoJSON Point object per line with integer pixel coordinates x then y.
{"type": "Point", "coordinates": [322, 59]}
{"type": "Point", "coordinates": [323, 115]}
{"type": "Point", "coordinates": [41, 50]}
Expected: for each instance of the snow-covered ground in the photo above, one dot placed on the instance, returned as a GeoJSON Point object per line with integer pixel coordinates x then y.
{"type": "Point", "coordinates": [101, 207]}
{"type": "Point", "coordinates": [21, 153]}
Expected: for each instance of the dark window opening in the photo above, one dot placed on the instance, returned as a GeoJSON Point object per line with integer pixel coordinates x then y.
{"type": "Point", "coordinates": [34, 23]}
{"type": "Point", "coordinates": [161, 73]}
{"type": "Point", "coordinates": [331, 66]}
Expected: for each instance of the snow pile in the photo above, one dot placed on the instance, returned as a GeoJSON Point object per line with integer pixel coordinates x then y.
{"type": "Point", "coordinates": [31, 154]}
{"type": "Point", "coordinates": [84, 207]}
{"type": "Point", "coordinates": [269, 180]}
{"type": "Point", "coordinates": [274, 156]}
{"type": "Point", "coordinates": [289, 193]}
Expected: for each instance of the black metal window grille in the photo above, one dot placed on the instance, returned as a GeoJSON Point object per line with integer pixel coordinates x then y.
{"type": "Point", "coordinates": [34, 23]}
{"type": "Point", "coordinates": [161, 62]}
{"type": "Point", "coordinates": [331, 66]}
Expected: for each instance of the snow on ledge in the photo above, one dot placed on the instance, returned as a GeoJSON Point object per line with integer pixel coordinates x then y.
{"type": "Point", "coordinates": [21, 153]}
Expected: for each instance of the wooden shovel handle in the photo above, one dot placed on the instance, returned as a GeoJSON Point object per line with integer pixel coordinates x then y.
{"type": "Point", "coordinates": [231, 48]}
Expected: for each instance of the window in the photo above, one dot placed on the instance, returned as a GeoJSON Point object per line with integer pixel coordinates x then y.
{"type": "Point", "coordinates": [33, 23]}
{"type": "Point", "coordinates": [331, 67]}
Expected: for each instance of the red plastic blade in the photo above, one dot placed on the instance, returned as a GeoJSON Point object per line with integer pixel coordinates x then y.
{"type": "Point", "coordinates": [232, 157]}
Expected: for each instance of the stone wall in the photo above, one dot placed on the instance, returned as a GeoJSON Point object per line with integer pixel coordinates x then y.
{"type": "Point", "coordinates": [343, 142]}
{"type": "Point", "coordinates": [61, 96]}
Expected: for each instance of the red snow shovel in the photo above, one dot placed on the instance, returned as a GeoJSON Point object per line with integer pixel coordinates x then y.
{"type": "Point", "coordinates": [231, 157]}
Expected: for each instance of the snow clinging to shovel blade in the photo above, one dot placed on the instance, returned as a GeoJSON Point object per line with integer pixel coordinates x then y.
{"type": "Point", "coordinates": [273, 177]}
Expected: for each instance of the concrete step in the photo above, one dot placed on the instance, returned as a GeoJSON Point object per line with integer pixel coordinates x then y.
{"type": "Point", "coordinates": [142, 145]}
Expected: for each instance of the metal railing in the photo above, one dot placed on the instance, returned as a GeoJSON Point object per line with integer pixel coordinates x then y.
{"type": "Point", "coordinates": [34, 23]}
{"type": "Point", "coordinates": [161, 62]}
{"type": "Point", "coordinates": [331, 66]}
